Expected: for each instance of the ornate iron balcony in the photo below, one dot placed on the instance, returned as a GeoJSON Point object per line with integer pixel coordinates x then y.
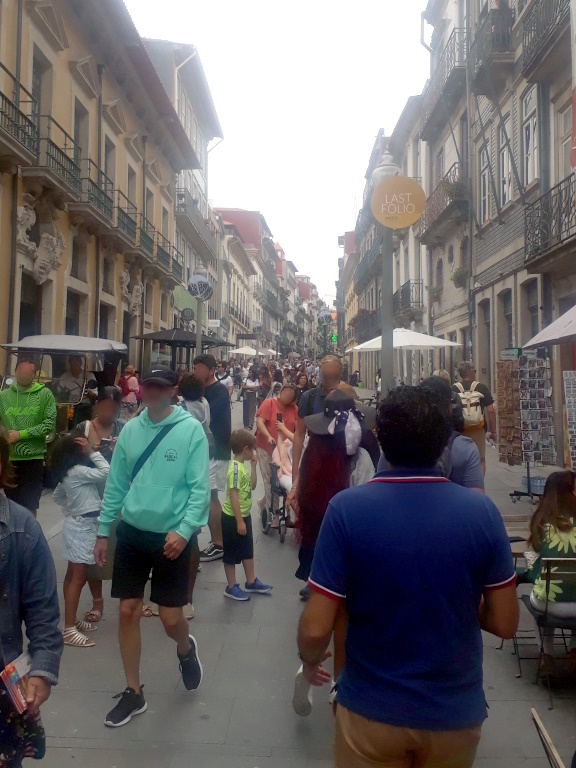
{"type": "Point", "coordinates": [59, 152]}
{"type": "Point", "coordinates": [19, 118]}
{"type": "Point", "coordinates": [446, 204]}
{"type": "Point", "coordinates": [551, 220]}
{"type": "Point", "coordinates": [541, 28]}
{"type": "Point", "coordinates": [408, 300]}
{"type": "Point", "coordinates": [445, 85]}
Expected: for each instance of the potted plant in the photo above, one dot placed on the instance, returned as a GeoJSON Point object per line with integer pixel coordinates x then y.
{"type": "Point", "coordinates": [434, 292]}
{"type": "Point", "coordinates": [454, 189]}
{"type": "Point", "coordinates": [459, 277]}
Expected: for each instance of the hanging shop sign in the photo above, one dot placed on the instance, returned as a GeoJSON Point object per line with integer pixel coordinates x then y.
{"type": "Point", "coordinates": [398, 202]}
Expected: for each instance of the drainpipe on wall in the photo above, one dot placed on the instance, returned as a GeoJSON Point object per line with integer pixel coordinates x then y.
{"type": "Point", "coordinates": [543, 99]}
{"type": "Point", "coordinates": [14, 204]}
{"type": "Point", "coordinates": [98, 241]}
{"type": "Point", "coordinates": [144, 283]}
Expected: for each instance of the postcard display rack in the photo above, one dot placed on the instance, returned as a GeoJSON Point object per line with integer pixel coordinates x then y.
{"type": "Point", "coordinates": [525, 418]}
{"type": "Point", "coordinates": [570, 411]}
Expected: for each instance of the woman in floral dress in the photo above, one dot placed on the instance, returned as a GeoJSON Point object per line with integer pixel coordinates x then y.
{"type": "Point", "coordinates": [553, 534]}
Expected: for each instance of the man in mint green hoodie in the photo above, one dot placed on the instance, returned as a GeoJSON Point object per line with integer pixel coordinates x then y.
{"type": "Point", "coordinates": [28, 413]}
{"type": "Point", "coordinates": [159, 484]}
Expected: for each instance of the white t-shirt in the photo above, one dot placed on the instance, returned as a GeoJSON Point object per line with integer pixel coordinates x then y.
{"type": "Point", "coordinates": [252, 385]}
{"type": "Point", "coordinates": [245, 372]}
{"type": "Point", "coordinates": [226, 380]}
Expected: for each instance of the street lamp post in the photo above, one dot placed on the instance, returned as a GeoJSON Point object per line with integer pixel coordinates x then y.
{"type": "Point", "coordinates": [397, 202]}
{"type": "Point", "coordinates": [324, 319]}
{"type": "Point", "coordinates": [386, 168]}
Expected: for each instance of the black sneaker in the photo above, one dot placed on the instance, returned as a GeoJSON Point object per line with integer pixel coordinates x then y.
{"type": "Point", "coordinates": [130, 704]}
{"type": "Point", "coordinates": [191, 667]}
{"type": "Point", "coordinates": [212, 552]}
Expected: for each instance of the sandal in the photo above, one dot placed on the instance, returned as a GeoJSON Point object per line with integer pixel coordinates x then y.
{"type": "Point", "coordinates": [85, 626]}
{"type": "Point", "coordinates": [147, 612]}
{"type": "Point", "coordinates": [75, 638]}
{"type": "Point", "coordinates": [93, 616]}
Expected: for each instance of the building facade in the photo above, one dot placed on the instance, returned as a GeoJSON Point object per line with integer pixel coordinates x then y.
{"type": "Point", "coordinates": [489, 264]}
{"type": "Point", "coordinates": [88, 170]}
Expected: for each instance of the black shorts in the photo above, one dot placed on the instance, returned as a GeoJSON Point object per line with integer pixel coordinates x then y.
{"type": "Point", "coordinates": [29, 480]}
{"type": "Point", "coordinates": [236, 548]}
{"type": "Point", "coordinates": [138, 553]}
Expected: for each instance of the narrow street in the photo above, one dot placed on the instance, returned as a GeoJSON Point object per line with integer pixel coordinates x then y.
{"type": "Point", "coordinates": [242, 715]}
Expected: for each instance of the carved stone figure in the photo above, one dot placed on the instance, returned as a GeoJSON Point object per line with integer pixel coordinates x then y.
{"type": "Point", "coordinates": [136, 298]}
{"type": "Point", "coordinates": [25, 220]}
{"type": "Point", "coordinates": [125, 285]}
{"type": "Point", "coordinates": [48, 256]}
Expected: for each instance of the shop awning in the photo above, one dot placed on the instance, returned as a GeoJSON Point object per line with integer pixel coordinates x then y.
{"type": "Point", "coordinates": [561, 330]}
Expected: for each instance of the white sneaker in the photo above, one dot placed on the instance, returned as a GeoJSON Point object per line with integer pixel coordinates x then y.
{"type": "Point", "coordinates": [188, 611]}
{"type": "Point", "coordinates": [332, 694]}
{"type": "Point", "coordinates": [302, 699]}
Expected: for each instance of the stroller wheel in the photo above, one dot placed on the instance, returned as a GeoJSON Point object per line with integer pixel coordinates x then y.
{"type": "Point", "coordinates": [282, 531]}
{"type": "Point", "coordinates": [266, 521]}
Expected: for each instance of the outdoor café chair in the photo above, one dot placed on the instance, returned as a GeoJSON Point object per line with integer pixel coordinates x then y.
{"type": "Point", "coordinates": [553, 568]}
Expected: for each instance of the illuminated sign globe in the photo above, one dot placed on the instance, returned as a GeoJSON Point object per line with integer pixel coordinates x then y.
{"type": "Point", "coordinates": [199, 287]}
{"type": "Point", "coordinates": [324, 318]}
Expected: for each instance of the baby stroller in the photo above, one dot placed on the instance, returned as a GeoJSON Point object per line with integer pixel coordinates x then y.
{"type": "Point", "coordinates": [276, 490]}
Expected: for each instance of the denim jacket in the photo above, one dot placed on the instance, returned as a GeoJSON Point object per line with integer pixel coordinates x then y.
{"type": "Point", "coordinates": [28, 592]}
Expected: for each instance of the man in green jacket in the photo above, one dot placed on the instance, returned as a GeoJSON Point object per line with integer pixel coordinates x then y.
{"type": "Point", "coordinates": [159, 485]}
{"type": "Point", "coordinates": [28, 412]}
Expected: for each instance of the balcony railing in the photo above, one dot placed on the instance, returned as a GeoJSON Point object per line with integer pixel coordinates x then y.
{"type": "Point", "coordinates": [97, 189]}
{"type": "Point", "coordinates": [551, 220]}
{"type": "Point", "coordinates": [541, 26]}
{"type": "Point", "coordinates": [126, 216]}
{"type": "Point", "coordinates": [59, 152]}
{"type": "Point", "coordinates": [187, 206]}
{"type": "Point", "coordinates": [367, 266]}
{"type": "Point", "coordinates": [272, 302]}
{"type": "Point", "coordinates": [408, 298]}
{"type": "Point", "coordinates": [451, 193]}
{"type": "Point", "coordinates": [177, 264]}
{"type": "Point", "coordinates": [453, 58]}
{"type": "Point", "coordinates": [369, 326]}
{"type": "Point", "coordinates": [493, 37]}
{"type": "Point", "coordinates": [147, 237]}
{"type": "Point", "coordinates": [163, 256]}
{"type": "Point", "coordinates": [20, 120]}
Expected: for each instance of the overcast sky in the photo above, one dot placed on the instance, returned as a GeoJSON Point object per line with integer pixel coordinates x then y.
{"type": "Point", "coordinates": [301, 90]}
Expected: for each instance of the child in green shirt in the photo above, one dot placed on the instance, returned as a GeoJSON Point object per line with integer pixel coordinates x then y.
{"type": "Point", "coordinates": [238, 542]}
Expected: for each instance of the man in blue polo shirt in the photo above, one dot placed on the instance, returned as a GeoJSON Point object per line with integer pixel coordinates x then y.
{"type": "Point", "coordinates": [422, 565]}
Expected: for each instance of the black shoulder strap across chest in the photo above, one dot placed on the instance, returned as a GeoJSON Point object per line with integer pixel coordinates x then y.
{"type": "Point", "coordinates": [149, 450]}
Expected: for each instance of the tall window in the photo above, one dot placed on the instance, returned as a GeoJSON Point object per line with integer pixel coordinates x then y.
{"type": "Point", "coordinates": [504, 163]}
{"type": "Point", "coordinates": [439, 165]}
{"type": "Point", "coordinates": [109, 159]}
{"type": "Point", "coordinates": [484, 178]}
{"type": "Point", "coordinates": [565, 135]}
{"type": "Point", "coordinates": [131, 185]}
{"type": "Point", "coordinates": [530, 135]}
{"type": "Point", "coordinates": [439, 274]}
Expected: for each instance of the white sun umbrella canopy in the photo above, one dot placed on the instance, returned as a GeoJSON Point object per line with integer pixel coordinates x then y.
{"type": "Point", "coordinates": [563, 329]}
{"type": "Point", "coordinates": [407, 339]}
{"type": "Point", "coordinates": [243, 351]}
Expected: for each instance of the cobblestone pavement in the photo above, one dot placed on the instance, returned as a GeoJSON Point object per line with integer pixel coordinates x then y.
{"type": "Point", "coordinates": [241, 717]}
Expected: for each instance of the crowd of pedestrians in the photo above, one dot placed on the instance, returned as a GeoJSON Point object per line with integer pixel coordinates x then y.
{"type": "Point", "coordinates": [149, 468]}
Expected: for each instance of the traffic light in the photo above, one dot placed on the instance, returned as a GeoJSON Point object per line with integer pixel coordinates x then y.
{"type": "Point", "coordinates": [334, 338]}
